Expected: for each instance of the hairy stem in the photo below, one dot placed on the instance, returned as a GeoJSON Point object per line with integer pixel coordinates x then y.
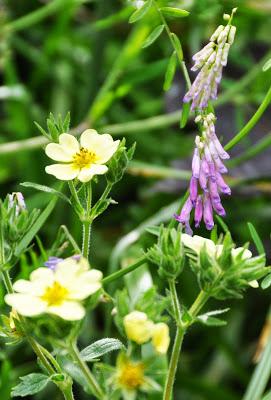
{"type": "Point", "coordinates": [116, 275]}
{"type": "Point", "coordinates": [93, 384]}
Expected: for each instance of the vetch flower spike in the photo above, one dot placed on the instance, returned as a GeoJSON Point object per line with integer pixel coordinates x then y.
{"type": "Point", "coordinates": [82, 159]}
{"type": "Point", "coordinates": [210, 61]}
{"type": "Point", "coordinates": [59, 291]}
{"type": "Point", "coordinates": [206, 182]}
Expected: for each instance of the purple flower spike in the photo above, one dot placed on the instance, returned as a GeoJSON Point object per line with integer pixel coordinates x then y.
{"type": "Point", "coordinates": [193, 190]}
{"type": "Point", "coordinates": [208, 212]}
{"type": "Point", "coordinates": [198, 211]}
{"type": "Point", "coordinates": [52, 262]}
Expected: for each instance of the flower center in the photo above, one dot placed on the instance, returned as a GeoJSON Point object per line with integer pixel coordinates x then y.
{"type": "Point", "coordinates": [55, 295]}
{"type": "Point", "coordinates": [84, 158]}
{"type": "Point", "coordinates": [131, 375]}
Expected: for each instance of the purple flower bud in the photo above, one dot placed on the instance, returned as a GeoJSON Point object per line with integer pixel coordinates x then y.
{"type": "Point", "coordinates": [219, 209]}
{"type": "Point", "coordinates": [203, 179]}
{"type": "Point", "coordinates": [193, 189]}
{"type": "Point", "coordinates": [222, 184]}
{"type": "Point", "coordinates": [188, 229]}
{"type": "Point", "coordinates": [185, 213]}
{"type": "Point", "coordinates": [52, 262]}
{"type": "Point", "coordinates": [196, 164]}
{"type": "Point", "coordinates": [208, 212]}
{"type": "Point", "coordinates": [198, 211]}
{"type": "Point", "coordinates": [213, 190]}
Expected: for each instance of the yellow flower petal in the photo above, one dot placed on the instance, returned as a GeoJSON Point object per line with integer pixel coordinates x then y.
{"type": "Point", "coordinates": [26, 305]}
{"type": "Point", "coordinates": [64, 172]}
{"type": "Point", "coordinates": [68, 310]}
{"type": "Point", "coordinates": [69, 143]}
{"type": "Point", "coordinates": [103, 146]}
{"type": "Point", "coordinates": [138, 327]}
{"type": "Point", "coordinates": [160, 337]}
{"type": "Point", "coordinates": [86, 174]}
{"type": "Point", "coordinates": [57, 152]}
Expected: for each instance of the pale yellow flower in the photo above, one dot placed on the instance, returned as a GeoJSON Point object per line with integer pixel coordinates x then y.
{"type": "Point", "coordinates": [82, 159]}
{"type": "Point", "coordinates": [59, 291]}
{"type": "Point", "coordinates": [160, 337]}
{"type": "Point", "coordinates": [138, 327]}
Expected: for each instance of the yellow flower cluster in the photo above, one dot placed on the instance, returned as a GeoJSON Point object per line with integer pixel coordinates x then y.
{"type": "Point", "coordinates": [140, 329]}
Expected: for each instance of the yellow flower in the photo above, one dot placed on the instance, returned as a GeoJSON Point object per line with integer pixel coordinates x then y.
{"type": "Point", "coordinates": [138, 327]}
{"type": "Point", "coordinates": [80, 160]}
{"type": "Point", "coordinates": [59, 291]}
{"type": "Point", "coordinates": [160, 337]}
{"type": "Point", "coordinates": [130, 374]}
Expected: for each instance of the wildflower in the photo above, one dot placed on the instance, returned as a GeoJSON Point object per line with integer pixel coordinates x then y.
{"type": "Point", "coordinates": [138, 327]}
{"type": "Point", "coordinates": [210, 61]}
{"type": "Point", "coordinates": [59, 291]}
{"type": "Point", "coordinates": [206, 182]}
{"type": "Point", "coordinates": [17, 199]}
{"type": "Point", "coordinates": [80, 160]}
{"type": "Point", "coordinates": [131, 378]}
{"type": "Point", "coordinates": [160, 337]}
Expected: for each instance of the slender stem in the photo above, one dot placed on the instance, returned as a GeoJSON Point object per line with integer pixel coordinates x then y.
{"type": "Point", "coordinates": [87, 222]}
{"type": "Point", "coordinates": [173, 364]}
{"type": "Point", "coordinates": [86, 238]}
{"type": "Point", "coordinates": [181, 61]}
{"type": "Point", "coordinates": [77, 203]}
{"type": "Point", "coordinates": [68, 394]}
{"type": "Point", "coordinates": [251, 123]}
{"type": "Point", "coordinates": [116, 275]}
{"type": "Point", "coordinates": [198, 303]}
{"type": "Point", "coordinates": [93, 384]}
{"type": "Point", "coordinates": [7, 281]}
{"type": "Point", "coordinates": [177, 342]}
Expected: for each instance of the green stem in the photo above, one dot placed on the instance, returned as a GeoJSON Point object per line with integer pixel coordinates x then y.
{"type": "Point", "coordinates": [38, 15]}
{"type": "Point", "coordinates": [87, 222]}
{"type": "Point", "coordinates": [78, 206]}
{"type": "Point", "coordinates": [181, 61]}
{"type": "Point", "coordinates": [251, 123]}
{"type": "Point", "coordinates": [175, 301]}
{"type": "Point", "coordinates": [116, 275]}
{"type": "Point", "coordinates": [68, 394]}
{"type": "Point", "coordinates": [198, 303]}
{"type": "Point", "coordinates": [175, 355]}
{"type": "Point", "coordinates": [93, 384]}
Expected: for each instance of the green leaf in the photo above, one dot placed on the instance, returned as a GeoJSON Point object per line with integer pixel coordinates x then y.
{"type": "Point", "coordinates": [185, 115]}
{"type": "Point", "coordinates": [138, 14]}
{"type": "Point", "coordinates": [170, 72]}
{"type": "Point", "coordinates": [178, 46]}
{"type": "Point", "coordinates": [101, 347]}
{"type": "Point", "coordinates": [266, 282]}
{"type": "Point", "coordinates": [211, 321]}
{"type": "Point", "coordinates": [153, 36]}
{"type": "Point", "coordinates": [256, 238]}
{"type": "Point", "coordinates": [22, 245]}
{"type": "Point", "coordinates": [267, 65]}
{"type": "Point", "coordinates": [153, 230]}
{"type": "Point", "coordinates": [46, 189]}
{"type": "Point", "coordinates": [174, 12]}
{"type": "Point", "coordinates": [31, 384]}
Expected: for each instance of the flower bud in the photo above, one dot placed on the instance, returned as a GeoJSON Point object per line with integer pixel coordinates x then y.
{"type": "Point", "coordinates": [160, 337]}
{"type": "Point", "coordinates": [138, 327]}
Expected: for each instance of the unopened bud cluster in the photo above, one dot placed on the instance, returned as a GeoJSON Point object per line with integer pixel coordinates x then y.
{"type": "Point", "coordinates": [210, 61]}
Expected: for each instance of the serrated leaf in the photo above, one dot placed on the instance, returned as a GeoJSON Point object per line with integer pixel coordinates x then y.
{"type": "Point", "coordinates": [138, 14]}
{"type": "Point", "coordinates": [266, 282]}
{"type": "Point", "coordinates": [178, 46]}
{"type": "Point", "coordinates": [267, 65]}
{"type": "Point", "coordinates": [46, 189]}
{"type": "Point", "coordinates": [153, 36]}
{"type": "Point", "coordinates": [170, 72]}
{"type": "Point", "coordinates": [174, 12]}
{"type": "Point", "coordinates": [101, 347]}
{"type": "Point", "coordinates": [31, 384]}
{"type": "Point", "coordinates": [256, 238]}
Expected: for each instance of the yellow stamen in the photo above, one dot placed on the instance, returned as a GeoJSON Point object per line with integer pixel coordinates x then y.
{"type": "Point", "coordinates": [55, 295]}
{"type": "Point", "coordinates": [131, 375]}
{"type": "Point", "coordinates": [84, 158]}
